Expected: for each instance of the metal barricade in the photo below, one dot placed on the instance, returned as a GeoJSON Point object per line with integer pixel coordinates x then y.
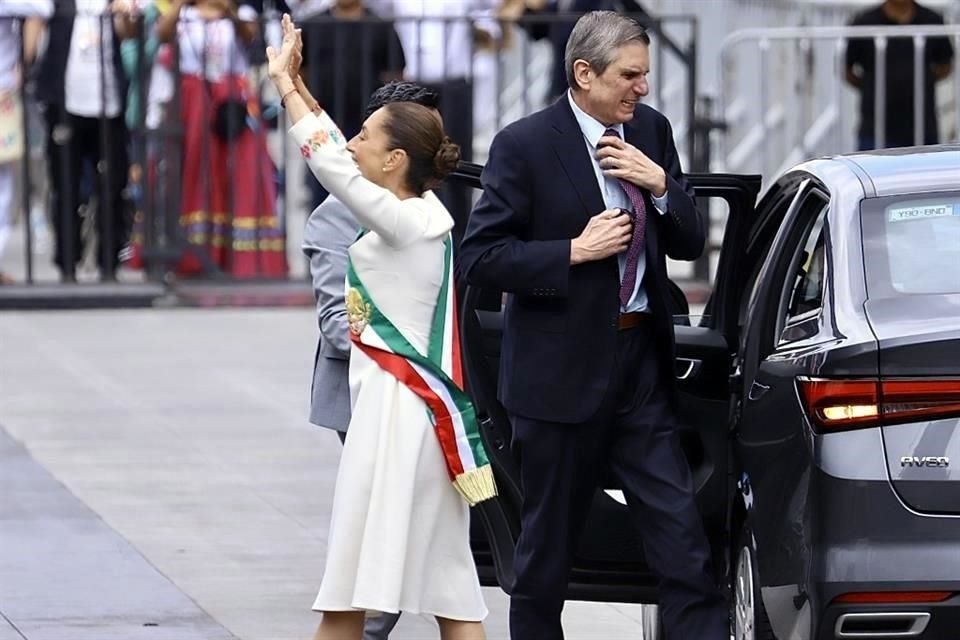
{"type": "Point", "coordinates": [783, 95]}
{"type": "Point", "coordinates": [161, 229]}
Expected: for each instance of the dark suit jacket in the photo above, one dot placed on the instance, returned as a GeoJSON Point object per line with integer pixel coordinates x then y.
{"type": "Point", "coordinates": [560, 324]}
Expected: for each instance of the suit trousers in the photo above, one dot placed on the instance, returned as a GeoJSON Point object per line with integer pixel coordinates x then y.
{"type": "Point", "coordinates": [74, 144]}
{"type": "Point", "coordinates": [632, 437]}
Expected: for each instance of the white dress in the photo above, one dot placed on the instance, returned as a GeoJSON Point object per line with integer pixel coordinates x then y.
{"type": "Point", "coordinates": [399, 530]}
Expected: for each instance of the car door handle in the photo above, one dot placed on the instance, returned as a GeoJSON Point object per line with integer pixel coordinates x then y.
{"type": "Point", "coordinates": [757, 390]}
{"type": "Point", "coordinates": [687, 368]}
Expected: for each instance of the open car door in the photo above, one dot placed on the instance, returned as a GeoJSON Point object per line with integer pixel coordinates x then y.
{"type": "Point", "coordinates": [610, 565]}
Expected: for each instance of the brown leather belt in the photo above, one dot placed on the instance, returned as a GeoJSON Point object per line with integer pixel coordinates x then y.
{"type": "Point", "coordinates": [632, 319]}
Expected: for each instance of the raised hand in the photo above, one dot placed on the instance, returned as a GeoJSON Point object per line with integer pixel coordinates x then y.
{"type": "Point", "coordinates": [278, 62]}
{"type": "Point", "coordinates": [296, 58]}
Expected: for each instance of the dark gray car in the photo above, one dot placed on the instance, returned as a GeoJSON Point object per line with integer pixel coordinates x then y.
{"type": "Point", "coordinates": [821, 395]}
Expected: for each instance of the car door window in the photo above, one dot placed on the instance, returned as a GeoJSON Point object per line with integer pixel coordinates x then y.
{"type": "Point", "coordinates": [773, 211]}
{"type": "Point", "coordinates": [780, 278]}
{"type": "Point", "coordinates": [803, 287]}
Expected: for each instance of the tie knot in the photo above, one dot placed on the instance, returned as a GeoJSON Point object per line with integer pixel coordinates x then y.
{"type": "Point", "coordinates": [612, 132]}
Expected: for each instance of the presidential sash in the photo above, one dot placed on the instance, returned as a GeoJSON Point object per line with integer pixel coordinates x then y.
{"type": "Point", "coordinates": [436, 377]}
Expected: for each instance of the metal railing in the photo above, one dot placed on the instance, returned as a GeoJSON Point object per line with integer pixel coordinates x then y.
{"type": "Point", "coordinates": [783, 95]}
{"type": "Point", "coordinates": [506, 82]}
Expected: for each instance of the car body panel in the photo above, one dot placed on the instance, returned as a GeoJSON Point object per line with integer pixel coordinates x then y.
{"type": "Point", "coordinates": [825, 515]}
{"type": "Point", "coordinates": [909, 169]}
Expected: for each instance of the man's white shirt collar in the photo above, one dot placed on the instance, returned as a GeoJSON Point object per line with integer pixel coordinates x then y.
{"type": "Point", "coordinates": [592, 128]}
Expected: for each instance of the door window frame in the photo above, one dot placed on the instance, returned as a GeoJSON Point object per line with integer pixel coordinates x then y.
{"type": "Point", "coordinates": [808, 321]}
{"type": "Point", "coordinates": [763, 320]}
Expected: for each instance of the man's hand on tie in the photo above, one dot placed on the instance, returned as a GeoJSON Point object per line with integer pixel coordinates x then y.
{"type": "Point", "coordinates": [622, 160]}
{"type": "Point", "coordinates": [607, 233]}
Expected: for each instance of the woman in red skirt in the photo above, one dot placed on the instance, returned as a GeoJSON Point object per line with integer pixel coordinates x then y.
{"type": "Point", "coordinates": [227, 210]}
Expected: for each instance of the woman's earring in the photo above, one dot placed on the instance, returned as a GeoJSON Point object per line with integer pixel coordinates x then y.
{"type": "Point", "coordinates": [384, 169]}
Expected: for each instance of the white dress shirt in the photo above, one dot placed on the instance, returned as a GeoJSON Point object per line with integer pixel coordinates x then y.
{"type": "Point", "coordinates": [92, 40]}
{"type": "Point", "coordinates": [212, 47]}
{"type": "Point", "coordinates": [442, 48]}
{"type": "Point", "coordinates": [615, 197]}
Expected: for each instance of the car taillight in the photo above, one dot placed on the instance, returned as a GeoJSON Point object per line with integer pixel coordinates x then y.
{"type": "Point", "coordinates": [892, 597]}
{"type": "Point", "coordinates": [919, 399]}
{"type": "Point", "coordinates": [843, 404]}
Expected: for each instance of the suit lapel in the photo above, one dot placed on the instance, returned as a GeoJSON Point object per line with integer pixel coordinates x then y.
{"type": "Point", "coordinates": [572, 153]}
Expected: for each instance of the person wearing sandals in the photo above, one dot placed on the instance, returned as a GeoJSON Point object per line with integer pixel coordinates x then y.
{"type": "Point", "coordinates": [413, 463]}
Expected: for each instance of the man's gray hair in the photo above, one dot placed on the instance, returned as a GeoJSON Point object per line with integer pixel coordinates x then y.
{"type": "Point", "coordinates": [596, 38]}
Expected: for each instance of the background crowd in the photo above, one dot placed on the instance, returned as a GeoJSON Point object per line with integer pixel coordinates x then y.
{"type": "Point", "coordinates": [150, 120]}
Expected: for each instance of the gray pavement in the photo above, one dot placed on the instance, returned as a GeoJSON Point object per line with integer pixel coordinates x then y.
{"type": "Point", "coordinates": [88, 570]}
{"type": "Point", "coordinates": [158, 480]}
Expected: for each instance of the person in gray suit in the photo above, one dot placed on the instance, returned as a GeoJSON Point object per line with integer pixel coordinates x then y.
{"type": "Point", "coordinates": [329, 232]}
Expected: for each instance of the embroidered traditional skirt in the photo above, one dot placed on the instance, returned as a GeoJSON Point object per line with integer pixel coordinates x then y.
{"type": "Point", "coordinates": [227, 192]}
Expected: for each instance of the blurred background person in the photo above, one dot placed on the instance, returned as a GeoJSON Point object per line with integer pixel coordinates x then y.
{"type": "Point", "coordinates": [346, 55]}
{"type": "Point", "coordinates": [12, 143]}
{"type": "Point", "coordinates": [82, 89]}
{"type": "Point", "coordinates": [438, 38]}
{"type": "Point", "coordinates": [227, 210]}
{"type": "Point", "coordinates": [862, 74]}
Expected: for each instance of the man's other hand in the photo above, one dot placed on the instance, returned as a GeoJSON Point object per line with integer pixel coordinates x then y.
{"type": "Point", "coordinates": [606, 234]}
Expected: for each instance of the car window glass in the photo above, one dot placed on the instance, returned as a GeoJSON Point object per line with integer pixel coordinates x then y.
{"type": "Point", "coordinates": [912, 245]}
{"type": "Point", "coordinates": [771, 217]}
{"type": "Point", "coordinates": [805, 280]}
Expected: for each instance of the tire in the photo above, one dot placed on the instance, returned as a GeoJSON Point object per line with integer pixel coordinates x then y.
{"type": "Point", "coordinates": [748, 618]}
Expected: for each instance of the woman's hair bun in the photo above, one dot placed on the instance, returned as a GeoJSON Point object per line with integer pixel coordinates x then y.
{"type": "Point", "coordinates": [446, 159]}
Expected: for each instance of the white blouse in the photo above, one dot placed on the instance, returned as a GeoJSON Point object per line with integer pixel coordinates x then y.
{"type": "Point", "coordinates": [214, 42]}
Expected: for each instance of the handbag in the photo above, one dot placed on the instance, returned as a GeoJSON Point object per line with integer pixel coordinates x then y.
{"type": "Point", "coordinates": [11, 126]}
{"type": "Point", "coordinates": [230, 118]}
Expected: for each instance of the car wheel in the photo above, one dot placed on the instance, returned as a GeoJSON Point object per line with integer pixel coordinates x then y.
{"type": "Point", "coordinates": [749, 619]}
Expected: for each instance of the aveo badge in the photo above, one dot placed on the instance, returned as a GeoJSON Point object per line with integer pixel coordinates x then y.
{"type": "Point", "coordinates": [924, 461]}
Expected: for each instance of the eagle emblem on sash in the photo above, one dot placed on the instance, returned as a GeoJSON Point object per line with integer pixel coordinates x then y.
{"type": "Point", "coordinates": [358, 312]}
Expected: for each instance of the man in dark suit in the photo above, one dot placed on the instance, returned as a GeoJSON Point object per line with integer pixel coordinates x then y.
{"type": "Point", "coordinates": [582, 203]}
{"type": "Point", "coordinates": [81, 85]}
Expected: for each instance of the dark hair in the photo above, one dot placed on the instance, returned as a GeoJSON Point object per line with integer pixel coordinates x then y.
{"type": "Point", "coordinates": [596, 37]}
{"type": "Point", "coordinates": [417, 130]}
{"type": "Point", "coordinates": [402, 91]}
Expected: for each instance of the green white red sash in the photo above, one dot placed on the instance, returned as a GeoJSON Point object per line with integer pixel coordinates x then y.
{"type": "Point", "coordinates": [436, 377]}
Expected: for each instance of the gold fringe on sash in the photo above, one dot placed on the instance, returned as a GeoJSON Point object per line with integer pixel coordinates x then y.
{"type": "Point", "coordinates": [476, 485]}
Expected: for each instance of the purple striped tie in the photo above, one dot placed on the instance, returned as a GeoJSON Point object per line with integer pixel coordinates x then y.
{"type": "Point", "coordinates": [636, 242]}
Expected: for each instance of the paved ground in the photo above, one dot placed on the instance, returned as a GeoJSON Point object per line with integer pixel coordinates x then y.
{"type": "Point", "coordinates": [160, 482]}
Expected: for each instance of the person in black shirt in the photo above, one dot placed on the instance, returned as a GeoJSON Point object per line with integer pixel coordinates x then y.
{"type": "Point", "coordinates": [861, 73]}
{"type": "Point", "coordinates": [347, 53]}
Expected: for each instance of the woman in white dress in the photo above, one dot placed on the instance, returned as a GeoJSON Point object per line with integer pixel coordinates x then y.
{"type": "Point", "coordinates": [412, 463]}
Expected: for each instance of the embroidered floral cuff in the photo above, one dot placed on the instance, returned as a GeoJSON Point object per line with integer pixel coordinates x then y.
{"type": "Point", "coordinates": [313, 132]}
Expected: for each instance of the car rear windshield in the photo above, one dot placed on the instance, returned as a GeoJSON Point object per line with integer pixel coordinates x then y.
{"type": "Point", "coordinates": [912, 244]}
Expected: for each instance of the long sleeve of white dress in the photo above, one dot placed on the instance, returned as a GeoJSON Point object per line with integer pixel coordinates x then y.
{"type": "Point", "coordinates": [398, 222]}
